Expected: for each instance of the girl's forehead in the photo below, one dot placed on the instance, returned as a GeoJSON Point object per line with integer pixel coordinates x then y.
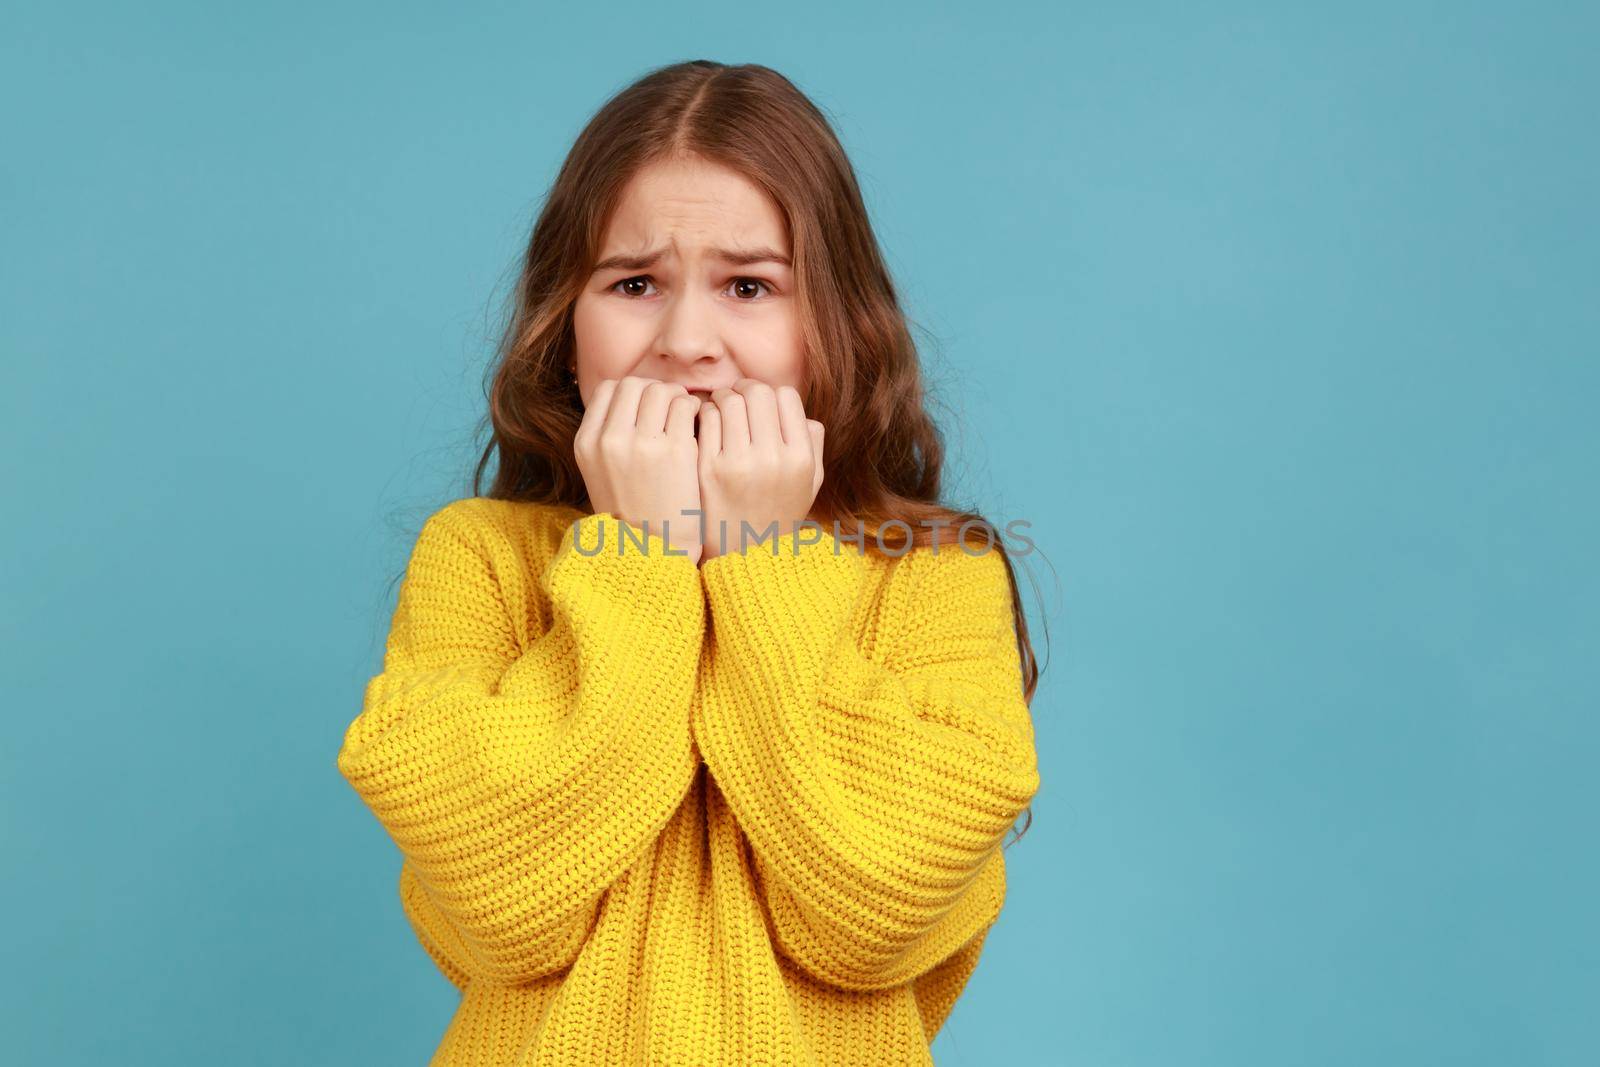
{"type": "Point", "coordinates": [694, 206]}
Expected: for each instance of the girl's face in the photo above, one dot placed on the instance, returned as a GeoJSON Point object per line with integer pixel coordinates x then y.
{"type": "Point", "coordinates": [694, 285]}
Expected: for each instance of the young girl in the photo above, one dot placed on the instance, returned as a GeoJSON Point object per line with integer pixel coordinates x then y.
{"type": "Point", "coordinates": [665, 793]}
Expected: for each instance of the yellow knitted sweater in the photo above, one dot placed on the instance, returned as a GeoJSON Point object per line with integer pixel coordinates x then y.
{"type": "Point", "coordinates": [649, 812]}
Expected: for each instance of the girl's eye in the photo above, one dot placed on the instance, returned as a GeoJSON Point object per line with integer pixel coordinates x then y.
{"type": "Point", "coordinates": [742, 284]}
{"type": "Point", "coordinates": [630, 281]}
{"type": "Point", "coordinates": [752, 281]}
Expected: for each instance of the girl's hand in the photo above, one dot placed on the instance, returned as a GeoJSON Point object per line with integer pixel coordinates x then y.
{"type": "Point", "coordinates": [636, 451]}
{"type": "Point", "coordinates": [760, 462]}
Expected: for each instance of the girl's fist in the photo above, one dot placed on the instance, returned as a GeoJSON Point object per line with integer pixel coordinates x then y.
{"type": "Point", "coordinates": [760, 461]}
{"type": "Point", "coordinates": [636, 451]}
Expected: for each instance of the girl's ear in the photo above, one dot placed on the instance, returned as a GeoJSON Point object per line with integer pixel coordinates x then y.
{"type": "Point", "coordinates": [816, 455]}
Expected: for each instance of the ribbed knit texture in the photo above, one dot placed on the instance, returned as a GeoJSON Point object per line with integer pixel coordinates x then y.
{"type": "Point", "coordinates": [746, 813]}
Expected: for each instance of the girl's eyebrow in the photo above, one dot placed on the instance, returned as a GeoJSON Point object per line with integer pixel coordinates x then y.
{"type": "Point", "coordinates": [739, 257]}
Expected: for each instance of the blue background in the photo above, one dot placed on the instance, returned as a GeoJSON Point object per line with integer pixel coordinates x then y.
{"type": "Point", "coordinates": [1279, 327]}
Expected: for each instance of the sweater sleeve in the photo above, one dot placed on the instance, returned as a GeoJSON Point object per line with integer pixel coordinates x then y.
{"type": "Point", "coordinates": [875, 790]}
{"type": "Point", "coordinates": [439, 937]}
{"type": "Point", "coordinates": [520, 782]}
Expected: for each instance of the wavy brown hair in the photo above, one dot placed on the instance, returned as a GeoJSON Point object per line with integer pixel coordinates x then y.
{"type": "Point", "coordinates": [883, 454]}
